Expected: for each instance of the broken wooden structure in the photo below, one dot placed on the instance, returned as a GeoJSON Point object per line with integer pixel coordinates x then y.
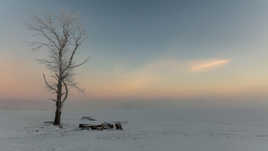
{"type": "Point", "coordinates": [93, 124]}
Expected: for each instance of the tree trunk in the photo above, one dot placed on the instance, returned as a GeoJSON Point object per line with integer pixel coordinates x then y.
{"type": "Point", "coordinates": [57, 120]}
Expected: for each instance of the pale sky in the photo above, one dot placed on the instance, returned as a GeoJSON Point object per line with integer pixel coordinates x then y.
{"type": "Point", "coordinates": [155, 49]}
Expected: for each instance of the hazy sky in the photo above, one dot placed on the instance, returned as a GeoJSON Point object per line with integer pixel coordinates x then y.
{"type": "Point", "coordinates": [168, 49]}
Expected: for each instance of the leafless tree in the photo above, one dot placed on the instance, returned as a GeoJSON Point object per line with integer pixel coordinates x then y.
{"type": "Point", "coordinates": [61, 36]}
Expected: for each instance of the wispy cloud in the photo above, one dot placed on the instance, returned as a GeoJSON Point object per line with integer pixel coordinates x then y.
{"type": "Point", "coordinates": [166, 77]}
{"type": "Point", "coordinates": [207, 65]}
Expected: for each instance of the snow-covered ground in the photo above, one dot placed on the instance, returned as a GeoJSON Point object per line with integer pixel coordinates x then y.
{"type": "Point", "coordinates": [148, 129]}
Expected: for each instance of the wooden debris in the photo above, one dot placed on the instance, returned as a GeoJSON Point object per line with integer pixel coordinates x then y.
{"type": "Point", "coordinates": [103, 126]}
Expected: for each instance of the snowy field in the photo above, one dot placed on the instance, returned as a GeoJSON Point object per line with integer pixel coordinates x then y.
{"type": "Point", "coordinates": [154, 128]}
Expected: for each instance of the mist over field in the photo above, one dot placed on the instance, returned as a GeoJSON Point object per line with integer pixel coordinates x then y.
{"type": "Point", "coordinates": [152, 125]}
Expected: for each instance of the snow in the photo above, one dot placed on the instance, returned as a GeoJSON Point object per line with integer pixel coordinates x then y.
{"type": "Point", "coordinates": [147, 129]}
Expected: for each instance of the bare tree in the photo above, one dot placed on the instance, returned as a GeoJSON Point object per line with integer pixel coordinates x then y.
{"type": "Point", "coordinates": [61, 36]}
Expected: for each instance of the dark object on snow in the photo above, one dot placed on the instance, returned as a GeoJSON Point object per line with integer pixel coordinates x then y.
{"type": "Point", "coordinates": [88, 118]}
{"type": "Point", "coordinates": [88, 123]}
{"type": "Point", "coordinates": [118, 126]}
{"type": "Point", "coordinates": [92, 127]}
{"type": "Point", "coordinates": [107, 125]}
{"type": "Point", "coordinates": [102, 126]}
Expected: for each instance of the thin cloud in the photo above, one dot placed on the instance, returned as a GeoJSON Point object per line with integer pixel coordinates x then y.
{"type": "Point", "coordinates": [204, 66]}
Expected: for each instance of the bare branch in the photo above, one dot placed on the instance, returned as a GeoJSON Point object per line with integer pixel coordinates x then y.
{"type": "Point", "coordinates": [66, 92]}
{"type": "Point", "coordinates": [72, 55]}
{"type": "Point", "coordinates": [47, 84]}
{"type": "Point", "coordinates": [80, 64]}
